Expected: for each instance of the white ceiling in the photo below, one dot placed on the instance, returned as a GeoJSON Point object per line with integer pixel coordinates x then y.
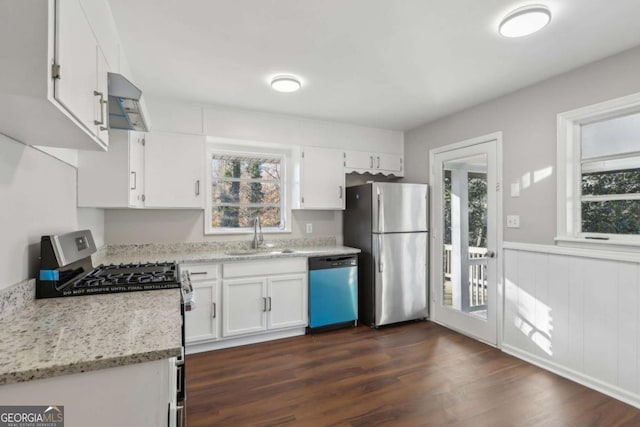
{"type": "Point", "coordinates": [380, 63]}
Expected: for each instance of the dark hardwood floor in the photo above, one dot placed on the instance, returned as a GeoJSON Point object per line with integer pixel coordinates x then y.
{"type": "Point", "coordinates": [417, 374]}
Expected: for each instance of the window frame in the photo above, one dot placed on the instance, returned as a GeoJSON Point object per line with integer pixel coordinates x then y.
{"type": "Point", "coordinates": [241, 148]}
{"type": "Point", "coordinates": [569, 173]}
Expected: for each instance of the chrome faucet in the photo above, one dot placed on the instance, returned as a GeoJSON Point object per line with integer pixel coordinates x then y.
{"type": "Point", "coordinates": [258, 238]}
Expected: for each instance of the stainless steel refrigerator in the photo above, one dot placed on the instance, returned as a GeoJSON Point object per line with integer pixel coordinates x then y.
{"type": "Point", "coordinates": [389, 223]}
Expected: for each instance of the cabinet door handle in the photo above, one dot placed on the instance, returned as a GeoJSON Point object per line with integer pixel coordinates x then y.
{"type": "Point", "coordinates": [340, 187]}
{"type": "Point", "coordinates": [101, 100]}
{"type": "Point", "coordinates": [198, 187]}
{"type": "Point", "coordinates": [198, 273]}
{"type": "Point", "coordinates": [213, 315]}
{"type": "Point", "coordinates": [378, 162]}
{"type": "Point", "coordinates": [269, 303]}
{"type": "Point", "coordinates": [264, 304]}
{"type": "Point", "coordinates": [371, 159]}
{"type": "Point", "coordinates": [135, 180]}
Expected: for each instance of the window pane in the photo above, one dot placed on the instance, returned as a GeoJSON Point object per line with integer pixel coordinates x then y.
{"type": "Point", "coordinates": [609, 137]}
{"type": "Point", "coordinates": [618, 182]}
{"type": "Point", "coordinates": [612, 217]}
{"type": "Point", "coordinates": [245, 192]}
{"type": "Point", "coordinates": [245, 168]}
{"type": "Point", "coordinates": [477, 193]}
{"type": "Point", "coordinates": [236, 216]}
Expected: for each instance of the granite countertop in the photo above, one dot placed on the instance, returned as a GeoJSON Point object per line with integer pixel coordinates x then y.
{"type": "Point", "coordinates": [130, 254]}
{"type": "Point", "coordinates": [59, 336]}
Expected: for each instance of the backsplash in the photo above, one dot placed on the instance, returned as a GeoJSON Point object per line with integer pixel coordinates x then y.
{"type": "Point", "coordinates": [115, 251]}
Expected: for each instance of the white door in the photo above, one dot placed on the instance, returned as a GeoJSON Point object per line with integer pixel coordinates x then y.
{"type": "Point", "coordinates": [174, 169]}
{"type": "Point", "coordinates": [323, 178]}
{"type": "Point", "coordinates": [287, 301]}
{"type": "Point", "coordinates": [465, 237]}
{"type": "Point", "coordinates": [359, 160]}
{"type": "Point", "coordinates": [244, 306]}
{"type": "Point", "coordinates": [75, 52]}
{"type": "Point", "coordinates": [389, 162]}
{"type": "Point", "coordinates": [200, 323]}
{"type": "Point", "coordinates": [136, 169]}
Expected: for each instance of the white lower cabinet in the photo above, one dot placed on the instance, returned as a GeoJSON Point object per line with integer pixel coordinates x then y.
{"type": "Point", "coordinates": [201, 323]}
{"type": "Point", "coordinates": [287, 298]}
{"type": "Point", "coordinates": [263, 303]}
{"type": "Point", "coordinates": [243, 302]}
{"type": "Point", "coordinates": [140, 394]}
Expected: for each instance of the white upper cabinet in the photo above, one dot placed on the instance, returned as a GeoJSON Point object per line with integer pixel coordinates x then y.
{"type": "Point", "coordinates": [321, 180]}
{"type": "Point", "coordinates": [53, 91]}
{"type": "Point", "coordinates": [114, 179]}
{"type": "Point", "coordinates": [174, 170]}
{"type": "Point", "coordinates": [143, 170]}
{"type": "Point", "coordinates": [374, 163]}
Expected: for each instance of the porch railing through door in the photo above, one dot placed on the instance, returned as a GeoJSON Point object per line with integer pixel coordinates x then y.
{"type": "Point", "coordinates": [477, 276]}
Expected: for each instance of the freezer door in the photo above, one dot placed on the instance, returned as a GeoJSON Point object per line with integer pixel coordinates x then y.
{"type": "Point", "coordinates": [400, 262]}
{"type": "Point", "coordinates": [398, 208]}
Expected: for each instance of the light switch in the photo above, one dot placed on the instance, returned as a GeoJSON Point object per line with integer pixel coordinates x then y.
{"type": "Point", "coordinates": [515, 189]}
{"type": "Point", "coordinates": [513, 221]}
{"type": "Point", "coordinates": [309, 228]}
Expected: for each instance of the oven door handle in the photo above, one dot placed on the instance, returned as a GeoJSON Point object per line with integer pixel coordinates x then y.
{"type": "Point", "coordinates": [180, 379]}
{"type": "Point", "coordinates": [180, 359]}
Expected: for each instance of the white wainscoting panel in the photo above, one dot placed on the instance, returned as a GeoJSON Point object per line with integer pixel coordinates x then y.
{"type": "Point", "coordinates": [576, 315]}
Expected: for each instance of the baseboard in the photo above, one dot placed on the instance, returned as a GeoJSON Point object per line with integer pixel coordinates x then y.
{"type": "Point", "coordinates": [578, 377]}
{"type": "Point", "coordinates": [192, 348]}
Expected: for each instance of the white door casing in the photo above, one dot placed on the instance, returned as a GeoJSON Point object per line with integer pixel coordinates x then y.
{"type": "Point", "coordinates": [487, 329]}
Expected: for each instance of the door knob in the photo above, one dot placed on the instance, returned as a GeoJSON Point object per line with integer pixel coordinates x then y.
{"type": "Point", "coordinates": [491, 254]}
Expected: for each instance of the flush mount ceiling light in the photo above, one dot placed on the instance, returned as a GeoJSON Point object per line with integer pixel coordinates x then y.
{"type": "Point", "coordinates": [285, 83]}
{"type": "Point", "coordinates": [524, 21]}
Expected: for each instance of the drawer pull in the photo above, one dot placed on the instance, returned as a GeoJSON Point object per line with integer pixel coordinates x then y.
{"type": "Point", "coordinates": [198, 273]}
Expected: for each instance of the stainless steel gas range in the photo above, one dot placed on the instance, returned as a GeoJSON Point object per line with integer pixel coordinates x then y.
{"type": "Point", "coordinates": [66, 270]}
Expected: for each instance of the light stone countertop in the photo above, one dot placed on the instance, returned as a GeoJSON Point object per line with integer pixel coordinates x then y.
{"type": "Point", "coordinates": [207, 256]}
{"type": "Point", "coordinates": [59, 336]}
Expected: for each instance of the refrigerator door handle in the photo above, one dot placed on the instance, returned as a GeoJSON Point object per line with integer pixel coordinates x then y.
{"type": "Point", "coordinates": [380, 266]}
{"type": "Point", "coordinates": [380, 211]}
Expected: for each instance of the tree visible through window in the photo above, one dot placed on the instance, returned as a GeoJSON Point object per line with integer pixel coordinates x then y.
{"type": "Point", "coordinates": [244, 187]}
{"type": "Point", "coordinates": [477, 194]}
{"type": "Point", "coordinates": [610, 176]}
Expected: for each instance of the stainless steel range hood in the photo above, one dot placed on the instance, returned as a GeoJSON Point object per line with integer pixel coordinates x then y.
{"type": "Point", "coordinates": [125, 105]}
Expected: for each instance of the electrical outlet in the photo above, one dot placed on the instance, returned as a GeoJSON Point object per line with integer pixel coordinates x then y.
{"type": "Point", "coordinates": [309, 228]}
{"type": "Point", "coordinates": [513, 221]}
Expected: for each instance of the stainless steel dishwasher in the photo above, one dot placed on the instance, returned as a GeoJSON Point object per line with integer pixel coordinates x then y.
{"type": "Point", "coordinates": [333, 291]}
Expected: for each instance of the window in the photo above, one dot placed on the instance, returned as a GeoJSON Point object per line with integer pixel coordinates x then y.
{"type": "Point", "coordinates": [244, 185]}
{"type": "Point", "coordinates": [599, 190]}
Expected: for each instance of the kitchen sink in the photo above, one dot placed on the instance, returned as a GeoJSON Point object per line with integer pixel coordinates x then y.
{"type": "Point", "coordinates": [240, 252]}
{"type": "Point", "coordinates": [243, 252]}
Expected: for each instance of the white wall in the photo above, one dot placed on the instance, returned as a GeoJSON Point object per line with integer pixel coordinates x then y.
{"type": "Point", "coordinates": [164, 226]}
{"type": "Point", "coordinates": [37, 197]}
{"type": "Point", "coordinates": [575, 315]}
{"type": "Point", "coordinates": [527, 119]}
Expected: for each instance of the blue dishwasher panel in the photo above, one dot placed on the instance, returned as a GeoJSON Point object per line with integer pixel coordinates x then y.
{"type": "Point", "coordinates": [333, 296]}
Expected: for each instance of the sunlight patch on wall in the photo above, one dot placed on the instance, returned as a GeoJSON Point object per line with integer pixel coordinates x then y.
{"type": "Point", "coordinates": [541, 174]}
{"type": "Point", "coordinates": [532, 317]}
